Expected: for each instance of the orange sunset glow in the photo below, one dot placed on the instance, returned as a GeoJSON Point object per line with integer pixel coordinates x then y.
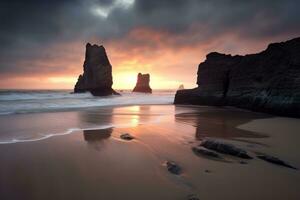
{"type": "Point", "coordinates": [166, 46]}
{"type": "Point", "coordinates": [168, 64]}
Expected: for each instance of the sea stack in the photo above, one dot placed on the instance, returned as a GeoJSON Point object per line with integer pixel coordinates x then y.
{"type": "Point", "coordinates": [268, 81]}
{"type": "Point", "coordinates": [142, 84]}
{"type": "Point", "coordinates": [181, 87]}
{"type": "Point", "coordinates": [97, 73]}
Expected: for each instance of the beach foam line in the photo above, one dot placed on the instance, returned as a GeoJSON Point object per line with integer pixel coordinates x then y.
{"type": "Point", "coordinates": [6, 113]}
{"type": "Point", "coordinates": [72, 130]}
{"type": "Point", "coordinates": [21, 103]}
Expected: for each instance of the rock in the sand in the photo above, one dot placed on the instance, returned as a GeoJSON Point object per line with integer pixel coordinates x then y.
{"type": "Point", "coordinates": [142, 84]}
{"type": "Point", "coordinates": [205, 152]}
{"type": "Point", "coordinates": [97, 73]}
{"type": "Point", "coordinates": [126, 136]}
{"type": "Point", "coordinates": [173, 167]}
{"type": "Point", "coordinates": [192, 197]}
{"type": "Point", "coordinates": [274, 160]}
{"type": "Point", "coordinates": [225, 148]}
{"type": "Point", "coordinates": [243, 162]}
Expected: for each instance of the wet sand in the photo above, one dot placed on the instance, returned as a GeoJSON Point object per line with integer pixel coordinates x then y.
{"type": "Point", "coordinates": [50, 157]}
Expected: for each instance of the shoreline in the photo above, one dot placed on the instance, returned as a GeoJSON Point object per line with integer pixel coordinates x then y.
{"type": "Point", "coordinates": [70, 130]}
{"type": "Point", "coordinates": [92, 163]}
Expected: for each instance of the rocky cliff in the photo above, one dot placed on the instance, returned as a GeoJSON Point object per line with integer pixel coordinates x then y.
{"type": "Point", "coordinates": [97, 72]}
{"type": "Point", "coordinates": [268, 81]}
{"type": "Point", "coordinates": [142, 84]}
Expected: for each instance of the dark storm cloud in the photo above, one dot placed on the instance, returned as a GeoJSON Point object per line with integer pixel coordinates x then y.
{"type": "Point", "coordinates": [29, 27]}
{"type": "Point", "coordinates": [257, 18]}
{"type": "Point", "coordinates": [105, 2]}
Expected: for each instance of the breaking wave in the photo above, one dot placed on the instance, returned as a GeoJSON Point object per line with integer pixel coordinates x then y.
{"type": "Point", "coordinates": [15, 102]}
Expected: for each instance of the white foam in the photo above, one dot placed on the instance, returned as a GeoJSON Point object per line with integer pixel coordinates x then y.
{"type": "Point", "coordinates": [43, 101]}
{"type": "Point", "coordinates": [73, 130]}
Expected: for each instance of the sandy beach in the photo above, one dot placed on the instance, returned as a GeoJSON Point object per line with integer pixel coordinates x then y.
{"type": "Point", "coordinates": [80, 155]}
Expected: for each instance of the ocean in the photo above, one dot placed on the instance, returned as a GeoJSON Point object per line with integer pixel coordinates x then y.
{"type": "Point", "coordinates": [32, 101]}
{"type": "Point", "coordinates": [32, 115]}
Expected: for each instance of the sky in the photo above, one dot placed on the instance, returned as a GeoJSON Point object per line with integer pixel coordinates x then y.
{"type": "Point", "coordinates": [43, 41]}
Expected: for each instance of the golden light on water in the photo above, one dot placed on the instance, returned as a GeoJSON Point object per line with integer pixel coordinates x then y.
{"type": "Point", "coordinates": [168, 67]}
{"type": "Point", "coordinates": [134, 120]}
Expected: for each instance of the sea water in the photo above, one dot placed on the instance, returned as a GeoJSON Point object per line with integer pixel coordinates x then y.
{"type": "Point", "coordinates": [31, 101]}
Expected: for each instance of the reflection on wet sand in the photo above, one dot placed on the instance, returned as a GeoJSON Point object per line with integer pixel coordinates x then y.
{"type": "Point", "coordinates": [92, 136]}
{"type": "Point", "coordinates": [101, 116]}
{"type": "Point", "coordinates": [122, 116]}
{"type": "Point", "coordinates": [97, 164]}
{"type": "Point", "coordinates": [220, 123]}
{"type": "Point", "coordinates": [96, 138]}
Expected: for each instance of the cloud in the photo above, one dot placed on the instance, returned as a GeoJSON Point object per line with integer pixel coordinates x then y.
{"type": "Point", "coordinates": [40, 22]}
{"type": "Point", "coordinates": [35, 35]}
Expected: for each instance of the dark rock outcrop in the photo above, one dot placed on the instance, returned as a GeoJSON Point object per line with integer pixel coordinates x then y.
{"type": "Point", "coordinates": [126, 136]}
{"type": "Point", "coordinates": [97, 73]}
{"type": "Point", "coordinates": [275, 160]}
{"type": "Point", "coordinates": [225, 148]}
{"type": "Point", "coordinates": [243, 162]}
{"type": "Point", "coordinates": [205, 152]}
{"type": "Point", "coordinates": [192, 197]}
{"type": "Point", "coordinates": [142, 84]}
{"type": "Point", "coordinates": [173, 168]}
{"type": "Point", "coordinates": [268, 81]}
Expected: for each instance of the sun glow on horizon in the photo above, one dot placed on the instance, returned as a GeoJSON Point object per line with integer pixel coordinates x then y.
{"type": "Point", "coordinates": [121, 80]}
{"type": "Point", "coordinates": [124, 80]}
{"type": "Point", "coordinates": [127, 80]}
{"type": "Point", "coordinates": [62, 80]}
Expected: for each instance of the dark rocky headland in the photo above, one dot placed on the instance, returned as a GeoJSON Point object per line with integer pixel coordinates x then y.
{"type": "Point", "coordinates": [97, 73]}
{"type": "Point", "coordinates": [143, 83]}
{"type": "Point", "coordinates": [268, 81]}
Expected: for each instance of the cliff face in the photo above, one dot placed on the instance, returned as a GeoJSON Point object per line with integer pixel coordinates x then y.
{"type": "Point", "coordinates": [142, 84]}
{"type": "Point", "coordinates": [97, 72]}
{"type": "Point", "coordinates": [268, 81]}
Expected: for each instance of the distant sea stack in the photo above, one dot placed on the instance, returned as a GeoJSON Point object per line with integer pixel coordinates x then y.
{"type": "Point", "coordinates": [181, 87]}
{"type": "Point", "coordinates": [268, 81]}
{"type": "Point", "coordinates": [142, 84]}
{"type": "Point", "coordinates": [97, 72]}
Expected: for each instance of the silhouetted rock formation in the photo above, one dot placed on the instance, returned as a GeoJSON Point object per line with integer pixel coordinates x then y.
{"type": "Point", "coordinates": [268, 81]}
{"type": "Point", "coordinates": [126, 136]}
{"type": "Point", "coordinates": [225, 148]}
{"type": "Point", "coordinates": [142, 84]}
{"type": "Point", "coordinates": [275, 161]}
{"type": "Point", "coordinates": [205, 152]}
{"type": "Point", "coordinates": [97, 72]}
{"type": "Point", "coordinates": [181, 87]}
{"type": "Point", "coordinates": [173, 167]}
